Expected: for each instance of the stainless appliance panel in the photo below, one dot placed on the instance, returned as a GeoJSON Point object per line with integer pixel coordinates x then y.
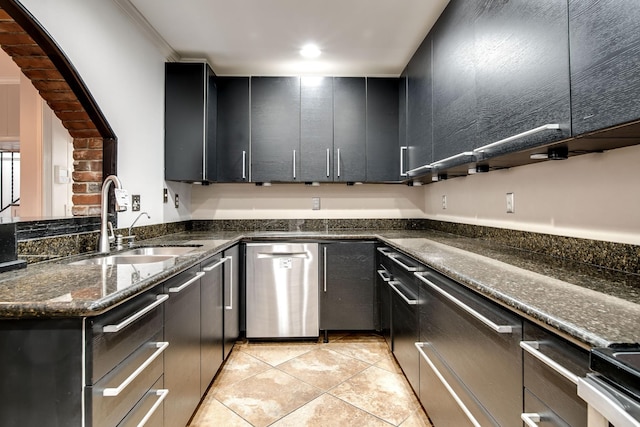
{"type": "Point", "coordinates": [282, 290]}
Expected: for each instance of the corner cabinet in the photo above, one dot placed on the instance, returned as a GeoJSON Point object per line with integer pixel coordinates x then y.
{"type": "Point", "coordinates": [233, 130]}
{"type": "Point", "coordinates": [275, 129]}
{"type": "Point", "coordinates": [605, 56]}
{"type": "Point", "coordinates": [190, 122]}
{"type": "Point", "coordinates": [347, 293]}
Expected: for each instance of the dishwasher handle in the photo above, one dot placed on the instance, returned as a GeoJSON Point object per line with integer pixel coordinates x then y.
{"type": "Point", "coordinates": [274, 255]}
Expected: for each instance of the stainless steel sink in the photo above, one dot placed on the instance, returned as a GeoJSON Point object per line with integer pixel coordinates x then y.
{"type": "Point", "coordinates": [160, 250]}
{"type": "Point", "coordinates": [124, 259]}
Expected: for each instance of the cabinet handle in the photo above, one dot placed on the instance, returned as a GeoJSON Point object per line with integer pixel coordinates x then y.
{"type": "Point", "coordinates": [338, 163]}
{"type": "Point", "coordinates": [187, 283]}
{"type": "Point", "coordinates": [407, 300]}
{"type": "Point", "coordinates": [244, 165]}
{"type": "Point", "coordinates": [530, 419]}
{"type": "Point", "coordinates": [549, 126]}
{"type": "Point", "coordinates": [384, 274]}
{"type": "Point", "coordinates": [138, 314]}
{"type": "Point", "coordinates": [403, 151]}
{"type": "Point", "coordinates": [385, 250]}
{"type": "Point", "coordinates": [230, 259]}
{"type": "Point", "coordinates": [110, 392]}
{"type": "Point", "coordinates": [532, 347]}
{"type": "Point", "coordinates": [402, 264]}
{"type": "Point", "coordinates": [325, 268]}
{"type": "Point", "coordinates": [328, 155]}
{"type": "Point", "coordinates": [294, 164]}
{"type": "Point", "coordinates": [264, 255]}
{"type": "Point", "coordinates": [501, 329]}
{"type": "Point", "coordinates": [162, 394]}
{"type": "Point", "coordinates": [446, 385]}
{"type": "Point", "coordinates": [214, 266]}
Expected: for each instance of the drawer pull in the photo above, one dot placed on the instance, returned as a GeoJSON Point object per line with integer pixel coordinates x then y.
{"type": "Point", "coordinates": [187, 283]}
{"type": "Point", "coordinates": [162, 394]}
{"type": "Point", "coordinates": [214, 266]}
{"type": "Point", "coordinates": [444, 382]}
{"type": "Point", "coordinates": [402, 264]}
{"type": "Point", "coordinates": [407, 300]}
{"type": "Point", "coordinates": [114, 391]}
{"type": "Point", "coordinates": [324, 268]}
{"type": "Point", "coordinates": [530, 420]}
{"type": "Point", "coordinates": [138, 314]}
{"type": "Point", "coordinates": [385, 250]}
{"type": "Point", "coordinates": [532, 347]}
{"type": "Point", "coordinates": [385, 275]}
{"type": "Point", "coordinates": [403, 151]}
{"type": "Point", "coordinates": [501, 329]}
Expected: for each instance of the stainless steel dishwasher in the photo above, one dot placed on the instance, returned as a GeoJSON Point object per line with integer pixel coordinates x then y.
{"type": "Point", "coordinates": [282, 290]}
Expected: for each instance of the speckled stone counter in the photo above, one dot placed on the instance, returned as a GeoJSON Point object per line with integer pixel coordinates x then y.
{"type": "Point", "coordinates": [594, 307]}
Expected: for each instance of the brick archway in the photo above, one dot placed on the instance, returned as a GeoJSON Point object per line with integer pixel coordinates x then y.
{"type": "Point", "coordinates": [40, 59]}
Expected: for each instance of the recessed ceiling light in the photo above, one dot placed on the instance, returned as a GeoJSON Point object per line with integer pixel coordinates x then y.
{"type": "Point", "coordinates": [310, 51]}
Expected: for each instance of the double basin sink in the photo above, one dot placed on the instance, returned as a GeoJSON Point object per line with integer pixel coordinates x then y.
{"type": "Point", "coordinates": [144, 255]}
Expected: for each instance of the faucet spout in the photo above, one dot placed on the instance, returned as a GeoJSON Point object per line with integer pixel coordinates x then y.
{"type": "Point", "coordinates": [136, 220]}
{"type": "Point", "coordinates": [105, 239]}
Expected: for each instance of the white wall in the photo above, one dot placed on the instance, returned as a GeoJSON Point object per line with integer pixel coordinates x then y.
{"type": "Point", "coordinates": [292, 201]}
{"type": "Point", "coordinates": [594, 196]}
{"type": "Point", "coordinates": [124, 71]}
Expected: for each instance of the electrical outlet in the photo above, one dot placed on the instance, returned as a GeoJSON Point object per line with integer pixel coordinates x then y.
{"type": "Point", "coordinates": [510, 203]}
{"type": "Point", "coordinates": [165, 196]}
{"type": "Point", "coordinates": [315, 203]}
{"type": "Point", "coordinates": [176, 201]}
{"type": "Point", "coordinates": [444, 201]}
{"type": "Point", "coordinates": [135, 203]}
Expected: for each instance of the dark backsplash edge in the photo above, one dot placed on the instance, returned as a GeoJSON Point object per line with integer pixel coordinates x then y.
{"type": "Point", "coordinates": [40, 242]}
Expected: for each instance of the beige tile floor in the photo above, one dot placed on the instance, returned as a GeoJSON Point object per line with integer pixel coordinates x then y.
{"type": "Point", "coordinates": [351, 381]}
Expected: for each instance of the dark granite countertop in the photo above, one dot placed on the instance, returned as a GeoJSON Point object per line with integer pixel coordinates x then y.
{"type": "Point", "coordinates": [592, 306]}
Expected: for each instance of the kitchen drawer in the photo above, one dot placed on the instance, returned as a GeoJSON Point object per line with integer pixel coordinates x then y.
{"type": "Point", "coordinates": [133, 323]}
{"type": "Point", "coordinates": [118, 392]}
{"type": "Point", "coordinates": [149, 411]}
{"type": "Point", "coordinates": [404, 326]}
{"type": "Point", "coordinates": [548, 384]}
{"type": "Point", "coordinates": [547, 418]}
{"type": "Point", "coordinates": [479, 340]}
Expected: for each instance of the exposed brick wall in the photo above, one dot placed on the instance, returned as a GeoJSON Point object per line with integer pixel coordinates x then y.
{"type": "Point", "coordinates": [87, 141]}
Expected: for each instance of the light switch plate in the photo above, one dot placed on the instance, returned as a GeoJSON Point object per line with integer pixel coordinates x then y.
{"type": "Point", "coordinates": [510, 203]}
{"type": "Point", "coordinates": [315, 203]}
{"type": "Point", "coordinates": [176, 201]}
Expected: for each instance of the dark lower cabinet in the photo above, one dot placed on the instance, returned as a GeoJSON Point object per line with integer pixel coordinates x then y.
{"type": "Point", "coordinates": [383, 295]}
{"type": "Point", "coordinates": [383, 156]}
{"type": "Point", "coordinates": [233, 130]}
{"type": "Point", "coordinates": [275, 129]}
{"type": "Point", "coordinates": [605, 56]}
{"type": "Point", "coordinates": [182, 357]}
{"type": "Point", "coordinates": [349, 129]}
{"type": "Point", "coordinates": [347, 292]}
{"type": "Point", "coordinates": [211, 320]}
{"type": "Point", "coordinates": [404, 326]}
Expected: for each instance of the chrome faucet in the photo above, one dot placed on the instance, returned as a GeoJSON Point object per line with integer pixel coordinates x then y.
{"type": "Point", "coordinates": [131, 237]}
{"type": "Point", "coordinates": [105, 237]}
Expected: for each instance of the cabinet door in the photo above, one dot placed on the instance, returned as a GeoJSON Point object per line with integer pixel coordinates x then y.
{"type": "Point", "coordinates": [182, 357]}
{"type": "Point", "coordinates": [402, 124]}
{"type": "Point", "coordinates": [420, 107]}
{"type": "Point", "coordinates": [349, 129]}
{"type": "Point", "coordinates": [605, 56]}
{"type": "Point", "coordinates": [190, 118]}
{"type": "Point", "coordinates": [383, 155]}
{"type": "Point", "coordinates": [231, 294]}
{"type": "Point", "coordinates": [316, 129]}
{"type": "Point", "coordinates": [347, 290]}
{"type": "Point", "coordinates": [233, 129]}
{"type": "Point", "coordinates": [522, 60]}
{"type": "Point", "coordinates": [455, 119]}
{"type": "Point", "coordinates": [211, 321]}
{"type": "Point", "coordinates": [275, 129]}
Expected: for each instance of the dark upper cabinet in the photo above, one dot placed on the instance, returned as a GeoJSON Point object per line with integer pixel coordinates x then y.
{"type": "Point", "coordinates": [233, 155]}
{"type": "Point", "coordinates": [383, 154]}
{"type": "Point", "coordinates": [275, 129]}
{"type": "Point", "coordinates": [402, 123]}
{"type": "Point", "coordinates": [419, 107]}
{"type": "Point", "coordinates": [349, 128]}
{"type": "Point", "coordinates": [190, 122]}
{"type": "Point", "coordinates": [455, 106]}
{"type": "Point", "coordinates": [316, 129]}
{"type": "Point", "coordinates": [522, 73]}
{"type": "Point", "coordinates": [605, 58]}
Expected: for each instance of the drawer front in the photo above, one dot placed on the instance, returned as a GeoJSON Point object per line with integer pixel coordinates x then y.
{"type": "Point", "coordinates": [405, 334]}
{"type": "Point", "coordinates": [108, 349]}
{"type": "Point", "coordinates": [149, 411]}
{"type": "Point", "coordinates": [118, 392]}
{"type": "Point", "coordinates": [547, 384]}
{"type": "Point", "coordinates": [478, 340]}
{"type": "Point", "coordinates": [547, 418]}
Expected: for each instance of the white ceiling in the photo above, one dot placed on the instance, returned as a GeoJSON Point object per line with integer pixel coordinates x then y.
{"type": "Point", "coordinates": [263, 37]}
